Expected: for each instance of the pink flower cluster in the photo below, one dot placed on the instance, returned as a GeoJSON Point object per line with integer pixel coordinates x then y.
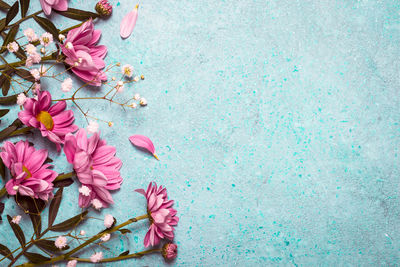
{"type": "Point", "coordinates": [96, 166]}
{"type": "Point", "coordinates": [30, 175]}
{"type": "Point", "coordinates": [83, 55]}
{"type": "Point", "coordinates": [161, 214]}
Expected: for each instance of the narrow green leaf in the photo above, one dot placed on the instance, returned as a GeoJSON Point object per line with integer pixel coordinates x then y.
{"type": "Point", "coordinates": [36, 223]}
{"type": "Point", "coordinates": [5, 87]}
{"type": "Point", "coordinates": [47, 25]}
{"type": "Point", "coordinates": [49, 245]}
{"type": "Point", "coordinates": [20, 53]}
{"type": "Point", "coordinates": [3, 112]}
{"type": "Point", "coordinates": [24, 7]}
{"type": "Point", "coordinates": [17, 231]}
{"type": "Point", "coordinates": [63, 183]}
{"type": "Point", "coordinates": [125, 231]}
{"type": "Point", "coordinates": [70, 223]}
{"type": "Point", "coordinates": [8, 100]}
{"type": "Point", "coordinates": [6, 252]}
{"type": "Point", "coordinates": [54, 205]}
{"type": "Point", "coordinates": [2, 24]}
{"type": "Point", "coordinates": [30, 204]}
{"type": "Point", "coordinates": [4, 5]}
{"type": "Point", "coordinates": [12, 12]}
{"type": "Point", "coordinates": [35, 257]}
{"type": "Point", "coordinates": [9, 37]}
{"type": "Point", "coordinates": [78, 14]}
{"type": "Point", "coordinates": [24, 74]}
{"type": "Point", "coordinates": [124, 253]}
{"type": "Point", "coordinates": [1, 210]}
{"type": "Point", "coordinates": [2, 169]}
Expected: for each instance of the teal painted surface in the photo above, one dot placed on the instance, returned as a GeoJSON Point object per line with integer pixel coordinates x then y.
{"type": "Point", "coordinates": [277, 125]}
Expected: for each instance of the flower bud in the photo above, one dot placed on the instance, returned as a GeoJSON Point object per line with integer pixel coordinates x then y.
{"type": "Point", "coordinates": [104, 8]}
{"type": "Point", "coordinates": [169, 251]}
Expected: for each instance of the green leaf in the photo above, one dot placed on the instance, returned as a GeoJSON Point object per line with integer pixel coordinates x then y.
{"type": "Point", "coordinates": [125, 231]}
{"type": "Point", "coordinates": [7, 131]}
{"type": "Point", "coordinates": [36, 223]}
{"type": "Point", "coordinates": [24, 7]}
{"type": "Point", "coordinates": [17, 231]}
{"type": "Point", "coordinates": [2, 24]}
{"type": "Point", "coordinates": [1, 210]}
{"type": "Point", "coordinates": [9, 37]}
{"type": "Point", "coordinates": [3, 112]}
{"type": "Point", "coordinates": [6, 252]}
{"type": "Point", "coordinates": [63, 183]}
{"type": "Point", "coordinates": [70, 223]}
{"type": "Point", "coordinates": [30, 205]}
{"type": "Point", "coordinates": [4, 5]}
{"type": "Point", "coordinates": [8, 100]}
{"type": "Point", "coordinates": [124, 253]}
{"type": "Point", "coordinates": [5, 87]}
{"type": "Point", "coordinates": [78, 14]}
{"type": "Point", "coordinates": [2, 169]}
{"type": "Point", "coordinates": [54, 205]}
{"type": "Point", "coordinates": [24, 74]}
{"type": "Point", "coordinates": [20, 53]}
{"type": "Point", "coordinates": [12, 12]}
{"type": "Point", "coordinates": [35, 258]}
{"type": "Point", "coordinates": [49, 245]}
{"type": "Point", "coordinates": [47, 25]}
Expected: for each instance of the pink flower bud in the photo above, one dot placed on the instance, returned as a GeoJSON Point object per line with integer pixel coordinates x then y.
{"type": "Point", "coordinates": [169, 251]}
{"type": "Point", "coordinates": [104, 8]}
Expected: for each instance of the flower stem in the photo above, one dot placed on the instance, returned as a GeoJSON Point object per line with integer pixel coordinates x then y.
{"type": "Point", "coordinates": [25, 18]}
{"type": "Point", "coordinates": [67, 255]}
{"type": "Point", "coordinates": [129, 256]}
{"type": "Point", "coordinates": [22, 62]}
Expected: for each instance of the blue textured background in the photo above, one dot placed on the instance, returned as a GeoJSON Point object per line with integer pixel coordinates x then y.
{"type": "Point", "coordinates": [277, 125]}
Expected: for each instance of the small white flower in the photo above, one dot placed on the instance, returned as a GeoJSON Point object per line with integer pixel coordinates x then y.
{"type": "Point", "coordinates": [35, 73]}
{"type": "Point", "coordinates": [127, 70]}
{"type": "Point", "coordinates": [42, 50]}
{"type": "Point", "coordinates": [134, 105]}
{"type": "Point", "coordinates": [105, 237]}
{"type": "Point", "coordinates": [12, 47]}
{"type": "Point", "coordinates": [15, 187]}
{"type": "Point", "coordinates": [69, 45]}
{"type": "Point", "coordinates": [97, 204]}
{"type": "Point", "coordinates": [60, 242]}
{"type": "Point", "coordinates": [66, 85]}
{"type": "Point", "coordinates": [72, 263]}
{"type": "Point", "coordinates": [113, 78]}
{"type": "Point", "coordinates": [108, 220]}
{"type": "Point", "coordinates": [93, 127]}
{"type": "Point", "coordinates": [136, 96]}
{"type": "Point", "coordinates": [136, 79]}
{"type": "Point", "coordinates": [61, 37]}
{"type": "Point", "coordinates": [120, 86]}
{"type": "Point", "coordinates": [30, 35]}
{"type": "Point", "coordinates": [21, 98]}
{"type": "Point", "coordinates": [46, 39]}
{"type": "Point", "coordinates": [82, 232]}
{"type": "Point", "coordinates": [96, 257]}
{"type": "Point", "coordinates": [84, 190]}
{"type": "Point", "coordinates": [143, 102]}
{"type": "Point", "coordinates": [16, 219]}
{"type": "Point", "coordinates": [30, 49]}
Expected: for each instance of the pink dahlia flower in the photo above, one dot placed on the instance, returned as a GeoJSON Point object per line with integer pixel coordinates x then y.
{"type": "Point", "coordinates": [161, 214]}
{"type": "Point", "coordinates": [48, 5]}
{"type": "Point", "coordinates": [96, 166]}
{"type": "Point", "coordinates": [30, 176]}
{"type": "Point", "coordinates": [53, 121]}
{"type": "Point", "coordinates": [83, 55]}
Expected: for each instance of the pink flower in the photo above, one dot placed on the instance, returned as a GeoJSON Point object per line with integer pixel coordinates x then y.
{"type": "Point", "coordinates": [108, 220]}
{"type": "Point", "coordinates": [30, 176]}
{"type": "Point", "coordinates": [16, 219]}
{"type": "Point", "coordinates": [128, 23]}
{"type": "Point", "coordinates": [72, 263]}
{"type": "Point", "coordinates": [83, 55]}
{"type": "Point", "coordinates": [161, 215]}
{"type": "Point", "coordinates": [169, 251]}
{"type": "Point", "coordinates": [96, 167]}
{"type": "Point", "coordinates": [54, 121]}
{"type": "Point", "coordinates": [60, 242]}
{"type": "Point", "coordinates": [48, 5]}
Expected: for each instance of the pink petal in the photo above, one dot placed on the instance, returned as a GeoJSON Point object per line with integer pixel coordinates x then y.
{"type": "Point", "coordinates": [128, 23]}
{"type": "Point", "coordinates": [143, 142]}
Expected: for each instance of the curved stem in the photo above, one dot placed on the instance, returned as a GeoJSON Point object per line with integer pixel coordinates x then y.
{"type": "Point", "coordinates": [134, 255]}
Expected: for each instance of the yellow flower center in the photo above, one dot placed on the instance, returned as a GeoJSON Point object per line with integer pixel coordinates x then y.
{"type": "Point", "coordinates": [29, 174]}
{"type": "Point", "coordinates": [45, 118]}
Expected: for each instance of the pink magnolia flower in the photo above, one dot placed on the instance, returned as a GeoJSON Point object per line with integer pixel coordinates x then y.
{"type": "Point", "coordinates": [48, 5]}
{"type": "Point", "coordinates": [30, 176]}
{"type": "Point", "coordinates": [96, 166]}
{"type": "Point", "coordinates": [161, 214]}
{"type": "Point", "coordinates": [83, 55]}
{"type": "Point", "coordinates": [169, 251]}
{"type": "Point", "coordinates": [53, 121]}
